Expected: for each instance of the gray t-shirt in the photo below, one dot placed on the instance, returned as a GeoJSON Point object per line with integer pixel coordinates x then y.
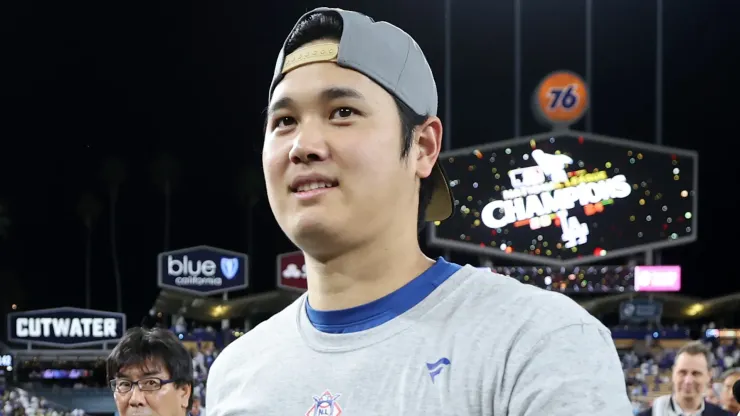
{"type": "Point", "coordinates": [478, 344]}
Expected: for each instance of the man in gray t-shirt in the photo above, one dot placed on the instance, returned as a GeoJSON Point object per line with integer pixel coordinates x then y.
{"type": "Point", "coordinates": [383, 329]}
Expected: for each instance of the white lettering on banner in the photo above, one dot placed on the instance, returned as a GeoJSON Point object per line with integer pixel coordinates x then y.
{"type": "Point", "coordinates": [293, 272]}
{"type": "Point", "coordinates": [500, 213]}
{"type": "Point", "coordinates": [547, 191]}
{"type": "Point", "coordinates": [198, 281]}
{"type": "Point", "coordinates": [66, 327]}
{"type": "Point", "coordinates": [656, 278]}
{"type": "Point", "coordinates": [189, 273]}
{"type": "Point", "coordinates": [188, 267]}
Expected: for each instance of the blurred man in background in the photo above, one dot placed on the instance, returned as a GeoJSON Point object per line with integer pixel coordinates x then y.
{"type": "Point", "coordinates": [712, 395]}
{"type": "Point", "coordinates": [726, 399]}
{"type": "Point", "coordinates": [197, 410]}
{"type": "Point", "coordinates": [691, 379]}
{"type": "Point", "coordinates": [151, 373]}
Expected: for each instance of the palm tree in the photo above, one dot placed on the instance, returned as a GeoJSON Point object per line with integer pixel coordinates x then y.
{"type": "Point", "coordinates": [114, 173]}
{"type": "Point", "coordinates": [11, 292]}
{"type": "Point", "coordinates": [88, 209]}
{"type": "Point", "coordinates": [250, 187]}
{"type": "Point", "coordinates": [166, 172]}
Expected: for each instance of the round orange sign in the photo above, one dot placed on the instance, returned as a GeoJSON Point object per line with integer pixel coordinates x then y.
{"type": "Point", "coordinates": [561, 99]}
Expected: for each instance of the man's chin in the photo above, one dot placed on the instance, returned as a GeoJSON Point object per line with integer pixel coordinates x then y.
{"type": "Point", "coordinates": [318, 238]}
{"type": "Point", "coordinates": [140, 413]}
{"type": "Point", "coordinates": [692, 396]}
{"type": "Point", "coordinates": [313, 228]}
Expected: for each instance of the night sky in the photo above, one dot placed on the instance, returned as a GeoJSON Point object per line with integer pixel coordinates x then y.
{"type": "Point", "coordinates": [88, 82]}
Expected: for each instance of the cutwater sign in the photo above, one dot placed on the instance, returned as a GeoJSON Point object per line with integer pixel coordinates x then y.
{"type": "Point", "coordinates": [202, 270]}
{"type": "Point", "coordinates": [66, 327]}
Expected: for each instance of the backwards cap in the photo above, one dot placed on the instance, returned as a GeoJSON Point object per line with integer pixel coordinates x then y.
{"type": "Point", "coordinates": [391, 58]}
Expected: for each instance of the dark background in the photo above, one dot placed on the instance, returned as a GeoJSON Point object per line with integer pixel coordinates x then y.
{"type": "Point", "coordinates": [87, 81]}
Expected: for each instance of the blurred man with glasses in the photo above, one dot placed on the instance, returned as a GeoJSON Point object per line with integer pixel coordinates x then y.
{"type": "Point", "coordinates": [151, 373]}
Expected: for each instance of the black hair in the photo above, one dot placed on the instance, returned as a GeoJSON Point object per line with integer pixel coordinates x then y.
{"type": "Point", "coordinates": [140, 346]}
{"type": "Point", "coordinates": [328, 25]}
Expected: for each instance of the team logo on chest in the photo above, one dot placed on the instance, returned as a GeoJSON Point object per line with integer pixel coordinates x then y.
{"type": "Point", "coordinates": [325, 405]}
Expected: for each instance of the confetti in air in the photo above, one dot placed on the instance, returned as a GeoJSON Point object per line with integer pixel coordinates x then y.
{"type": "Point", "coordinates": [568, 197]}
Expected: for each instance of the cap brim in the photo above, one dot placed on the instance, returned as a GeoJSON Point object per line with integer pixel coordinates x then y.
{"type": "Point", "coordinates": [440, 206]}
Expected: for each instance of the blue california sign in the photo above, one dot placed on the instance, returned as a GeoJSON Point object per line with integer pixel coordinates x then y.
{"type": "Point", "coordinates": [202, 270]}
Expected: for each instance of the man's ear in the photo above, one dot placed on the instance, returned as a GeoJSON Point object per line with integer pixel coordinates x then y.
{"type": "Point", "coordinates": [184, 392]}
{"type": "Point", "coordinates": [429, 144]}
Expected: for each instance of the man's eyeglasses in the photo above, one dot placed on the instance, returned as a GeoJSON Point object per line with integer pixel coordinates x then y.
{"type": "Point", "coordinates": [145, 384]}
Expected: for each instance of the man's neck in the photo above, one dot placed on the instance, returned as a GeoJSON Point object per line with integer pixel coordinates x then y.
{"type": "Point", "coordinates": [688, 405]}
{"type": "Point", "coordinates": [366, 274]}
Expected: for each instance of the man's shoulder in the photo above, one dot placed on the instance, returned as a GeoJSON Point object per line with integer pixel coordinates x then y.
{"type": "Point", "coordinates": [263, 338]}
{"type": "Point", "coordinates": [533, 305]}
{"type": "Point", "coordinates": [714, 410]}
{"type": "Point", "coordinates": [514, 316]}
{"type": "Point", "coordinates": [273, 329]}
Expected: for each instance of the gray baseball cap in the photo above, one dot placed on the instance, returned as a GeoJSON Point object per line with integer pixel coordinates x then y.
{"type": "Point", "coordinates": [391, 58]}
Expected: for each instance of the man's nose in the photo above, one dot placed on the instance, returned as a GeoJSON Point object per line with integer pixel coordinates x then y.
{"type": "Point", "coordinates": [309, 145]}
{"type": "Point", "coordinates": [137, 398]}
{"type": "Point", "coordinates": [689, 380]}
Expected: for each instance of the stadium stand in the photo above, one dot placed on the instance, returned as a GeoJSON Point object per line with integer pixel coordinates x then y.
{"type": "Point", "coordinates": [204, 344]}
{"type": "Point", "coordinates": [18, 402]}
{"type": "Point", "coordinates": [647, 363]}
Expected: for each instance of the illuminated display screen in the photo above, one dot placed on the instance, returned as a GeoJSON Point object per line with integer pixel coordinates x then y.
{"type": "Point", "coordinates": [567, 199]}
{"type": "Point", "coordinates": [590, 279]}
{"type": "Point", "coordinates": [723, 333]}
{"type": "Point", "coordinates": [53, 372]}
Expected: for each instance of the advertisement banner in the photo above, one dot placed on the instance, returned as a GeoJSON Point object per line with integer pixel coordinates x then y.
{"type": "Point", "coordinates": [202, 270]}
{"type": "Point", "coordinates": [6, 360]}
{"type": "Point", "coordinates": [574, 279]}
{"type": "Point", "coordinates": [657, 278]}
{"type": "Point", "coordinates": [291, 271]}
{"type": "Point", "coordinates": [568, 198]}
{"type": "Point", "coordinates": [640, 310]}
{"type": "Point", "coordinates": [723, 333]}
{"type": "Point", "coordinates": [66, 327]}
{"type": "Point", "coordinates": [561, 99]}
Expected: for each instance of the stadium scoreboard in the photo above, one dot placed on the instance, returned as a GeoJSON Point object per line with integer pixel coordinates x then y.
{"type": "Point", "coordinates": [569, 198]}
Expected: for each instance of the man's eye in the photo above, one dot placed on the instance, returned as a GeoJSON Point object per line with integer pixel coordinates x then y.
{"type": "Point", "coordinates": [343, 112]}
{"type": "Point", "coordinates": [284, 122]}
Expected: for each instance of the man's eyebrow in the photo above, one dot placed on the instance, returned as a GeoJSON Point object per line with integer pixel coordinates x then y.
{"type": "Point", "coordinates": [280, 104]}
{"type": "Point", "coordinates": [328, 94]}
{"type": "Point", "coordinates": [334, 93]}
{"type": "Point", "coordinates": [148, 373]}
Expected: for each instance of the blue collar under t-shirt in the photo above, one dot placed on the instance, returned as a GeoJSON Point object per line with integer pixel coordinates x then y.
{"type": "Point", "coordinates": [378, 312]}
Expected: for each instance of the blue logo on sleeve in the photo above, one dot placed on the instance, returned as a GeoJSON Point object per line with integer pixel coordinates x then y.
{"type": "Point", "coordinates": [437, 367]}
